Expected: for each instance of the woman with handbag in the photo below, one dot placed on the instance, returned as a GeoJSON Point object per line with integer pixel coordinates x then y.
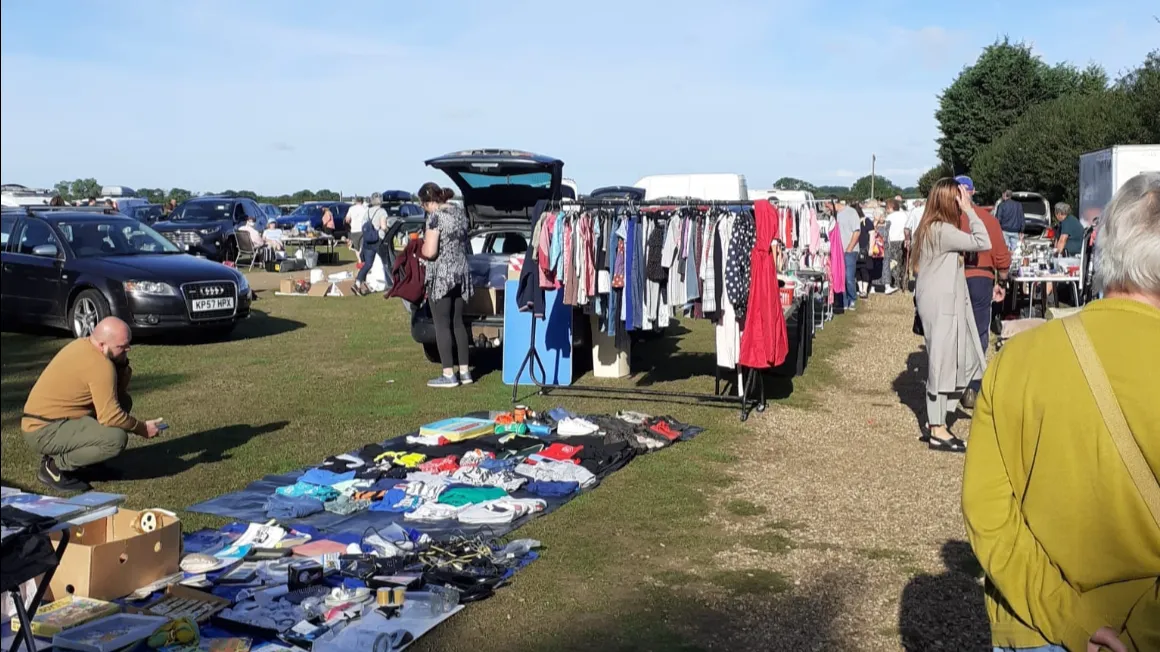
{"type": "Point", "coordinates": [448, 281]}
{"type": "Point", "coordinates": [865, 269]}
{"type": "Point", "coordinates": [954, 354]}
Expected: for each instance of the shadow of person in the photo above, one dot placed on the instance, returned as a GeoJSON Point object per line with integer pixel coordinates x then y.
{"type": "Point", "coordinates": [946, 611]}
{"type": "Point", "coordinates": [910, 386]}
{"type": "Point", "coordinates": [167, 456]}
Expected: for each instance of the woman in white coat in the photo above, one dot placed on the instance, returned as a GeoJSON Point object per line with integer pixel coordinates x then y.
{"type": "Point", "coordinates": [952, 340]}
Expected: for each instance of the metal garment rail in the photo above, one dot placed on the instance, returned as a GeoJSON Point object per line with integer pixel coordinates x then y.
{"type": "Point", "coordinates": [751, 385]}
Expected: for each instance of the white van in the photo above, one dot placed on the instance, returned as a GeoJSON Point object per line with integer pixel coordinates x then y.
{"type": "Point", "coordinates": [723, 187]}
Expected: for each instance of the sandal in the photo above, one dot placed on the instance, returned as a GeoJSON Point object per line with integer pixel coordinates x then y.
{"type": "Point", "coordinates": [950, 445]}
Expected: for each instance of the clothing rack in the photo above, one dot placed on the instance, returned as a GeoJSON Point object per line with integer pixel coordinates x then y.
{"type": "Point", "coordinates": [751, 386]}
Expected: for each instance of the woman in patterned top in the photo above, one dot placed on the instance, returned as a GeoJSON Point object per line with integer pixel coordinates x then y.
{"type": "Point", "coordinates": [445, 246]}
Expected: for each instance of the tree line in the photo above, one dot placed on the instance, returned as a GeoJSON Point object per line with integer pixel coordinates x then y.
{"type": "Point", "coordinates": [860, 190]}
{"type": "Point", "coordinates": [89, 188]}
{"type": "Point", "coordinates": [1011, 121]}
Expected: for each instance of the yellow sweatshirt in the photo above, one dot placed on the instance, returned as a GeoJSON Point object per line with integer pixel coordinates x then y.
{"type": "Point", "coordinates": [1066, 540]}
{"type": "Point", "coordinates": [80, 381]}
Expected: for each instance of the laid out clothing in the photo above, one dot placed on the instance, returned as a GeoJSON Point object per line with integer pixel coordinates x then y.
{"type": "Point", "coordinates": [449, 267]}
{"type": "Point", "coordinates": [944, 306]}
{"type": "Point", "coordinates": [1053, 515]}
{"type": "Point", "coordinates": [1073, 229]}
{"type": "Point", "coordinates": [79, 382]}
{"type": "Point", "coordinates": [997, 259]}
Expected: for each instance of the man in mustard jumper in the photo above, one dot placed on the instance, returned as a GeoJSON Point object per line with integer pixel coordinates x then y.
{"type": "Point", "coordinates": [1060, 490]}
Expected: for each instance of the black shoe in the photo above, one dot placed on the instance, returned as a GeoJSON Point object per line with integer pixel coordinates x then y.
{"type": "Point", "coordinates": [970, 396]}
{"type": "Point", "coordinates": [950, 445]}
{"type": "Point", "coordinates": [57, 479]}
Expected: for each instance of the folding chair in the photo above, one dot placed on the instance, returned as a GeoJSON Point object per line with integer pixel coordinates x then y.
{"type": "Point", "coordinates": [246, 249]}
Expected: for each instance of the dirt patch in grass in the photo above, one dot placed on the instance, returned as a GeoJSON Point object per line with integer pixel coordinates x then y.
{"type": "Point", "coordinates": [745, 508]}
{"type": "Point", "coordinates": [752, 582]}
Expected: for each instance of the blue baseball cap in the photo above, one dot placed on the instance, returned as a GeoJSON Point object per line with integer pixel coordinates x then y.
{"type": "Point", "coordinates": [964, 180]}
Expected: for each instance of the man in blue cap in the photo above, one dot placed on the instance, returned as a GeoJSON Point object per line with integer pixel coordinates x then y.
{"type": "Point", "coordinates": [986, 274]}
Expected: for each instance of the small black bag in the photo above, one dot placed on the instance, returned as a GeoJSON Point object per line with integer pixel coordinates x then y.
{"type": "Point", "coordinates": [916, 328]}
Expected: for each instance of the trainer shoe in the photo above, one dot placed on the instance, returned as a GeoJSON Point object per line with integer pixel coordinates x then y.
{"type": "Point", "coordinates": [465, 378]}
{"type": "Point", "coordinates": [444, 382]}
{"type": "Point", "coordinates": [53, 477]}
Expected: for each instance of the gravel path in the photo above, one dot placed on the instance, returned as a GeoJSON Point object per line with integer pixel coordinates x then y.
{"type": "Point", "coordinates": [872, 532]}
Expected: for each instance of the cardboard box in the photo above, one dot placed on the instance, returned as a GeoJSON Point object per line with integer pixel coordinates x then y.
{"type": "Point", "coordinates": [343, 289]}
{"type": "Point", "coordinates": [484, 301]}
{"type": "Point", "coordinates": [318, 289]}
{"type": "Point", "coordinates": [109, 559]}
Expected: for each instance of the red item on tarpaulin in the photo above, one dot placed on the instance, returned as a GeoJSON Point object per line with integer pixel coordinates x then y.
{"type": "Point", "coordinates": [764, 342]}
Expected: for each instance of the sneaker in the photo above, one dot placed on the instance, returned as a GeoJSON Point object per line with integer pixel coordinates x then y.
{"type": "Point", "coordinates": [890, 289]}
{"type": "Point", "coordinates": [465, 378]}
{"type": "Point", "coordinates": [443, 382]}
{"type": "Point", "coordinates": [53, 477]}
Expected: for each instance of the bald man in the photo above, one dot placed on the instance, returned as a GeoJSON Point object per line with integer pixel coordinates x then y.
{"type": "Point", "coordinates": [77, 414]}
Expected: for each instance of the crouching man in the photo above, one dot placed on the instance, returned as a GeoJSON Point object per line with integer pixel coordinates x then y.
{"type": "Point", "coordinates": [77, 414]}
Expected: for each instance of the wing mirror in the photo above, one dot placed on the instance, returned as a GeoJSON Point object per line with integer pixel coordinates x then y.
{"type": "Point", "coordinates": [45, 250]}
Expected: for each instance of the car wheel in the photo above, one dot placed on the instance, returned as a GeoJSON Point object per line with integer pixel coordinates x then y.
{"type": "Point", "coordinates": [431, 352]}
{"type": "Point", "coordinates": [87, 310]}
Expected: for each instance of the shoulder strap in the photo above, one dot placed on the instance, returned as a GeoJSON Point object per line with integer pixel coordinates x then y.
{"type": "Point", "coordinates": [1117, 425]}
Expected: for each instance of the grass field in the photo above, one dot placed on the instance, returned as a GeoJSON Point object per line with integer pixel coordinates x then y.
{"type": "Point", "coordinates": [306, 378]}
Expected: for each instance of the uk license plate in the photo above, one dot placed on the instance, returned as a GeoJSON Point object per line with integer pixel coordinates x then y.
{"type": "Point", "coordinates": [204, 305]}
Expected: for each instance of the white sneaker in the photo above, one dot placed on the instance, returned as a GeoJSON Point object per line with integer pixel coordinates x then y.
{"type": "Point", "coordinates": [890, 289]}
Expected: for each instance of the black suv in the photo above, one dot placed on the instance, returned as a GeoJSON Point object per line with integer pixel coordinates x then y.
{"type": "Point", "coordinates": [72, 268]}
{"type": "Point", "coordinates": [499, 189]}
{"type": "Point", "coordinates": [206, 226]}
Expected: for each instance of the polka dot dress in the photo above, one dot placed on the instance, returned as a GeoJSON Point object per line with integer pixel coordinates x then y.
{"type": "Point", "coordinates": [737, 264]}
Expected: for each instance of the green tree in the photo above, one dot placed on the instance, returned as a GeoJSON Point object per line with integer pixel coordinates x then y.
{"type": "Point", "coordinates": [85, 188]}
{"type": "Point", "coordinates": [1143, 86]}
{"type": "Point", "coordinates": [152, 195]}
{"type": "Point", "coordinates": [988, 97]}
{"type": "Point", "coordinates": [1041, 151]}
{"type": "Point", "coordinates": [926, 181]}
{"type": "Point", "coordinates": [178, 194]}
{"type": "Point", "coordinates": [302, 196]}
{"type": "Point", "coordinates": [64, 189]}
{"type": "Point", "coordinates": [326, 195]}
{"type": "Point", "coordinates": [911, 192]}
{"type": "Point", "coordinates": [883, 187]}
{"type": "Point", "coordinates": [841, 192]}
{"type": "Point", "coordinates": [790, 183]}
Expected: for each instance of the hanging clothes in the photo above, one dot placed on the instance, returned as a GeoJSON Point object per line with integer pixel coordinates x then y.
{"type": "Point", "coordinates": [764, 342]}
{"type": "Point", "coordinates": [728, 335]}
{"type": "Point", "coordinates": [837, 264]}
{"type": "Point", "coordinates": [815, 230]}
{"type": "Point", "coordinates": [737, 265]}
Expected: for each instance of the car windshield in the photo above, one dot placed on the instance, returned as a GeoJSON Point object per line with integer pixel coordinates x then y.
{"type": "Point", "coordinates": [204, 211]}
{"type": "Point", "coordinates": [94, 238]}
{"type": "Point", "coordinates": [147, 213]}
{"type": "Point", "coordinates": [532, 179]}
{"type": "Point", "coordinates": [307, 211]}
{"type": "Point", "coordinates": [271, 210]}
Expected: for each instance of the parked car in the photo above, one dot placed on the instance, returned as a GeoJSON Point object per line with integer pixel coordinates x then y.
{"type": "Point", "coordinates": [618, 192]}
{"type": "Point", "coordinates": [71, 268]}
{"type": "Point", "coordinates": [206, 226]}
{"type": "Point", "coordinates": [311, 213]}
{"type": "Point", "coordinates": [499, 189]}
{"type": "Point", "coordinates": [1036, 211]}
{"type": "Point", "coordinates": [147, 213]}
{"type": "Point", "coordinates": [272, 212]}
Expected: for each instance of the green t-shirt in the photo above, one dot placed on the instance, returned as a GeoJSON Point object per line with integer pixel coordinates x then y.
{"type": "Point", "coordinates": [1073, 229]}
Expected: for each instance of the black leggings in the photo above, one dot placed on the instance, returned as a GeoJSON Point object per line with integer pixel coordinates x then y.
{"type": "Point", "coordinates": [448, 315]}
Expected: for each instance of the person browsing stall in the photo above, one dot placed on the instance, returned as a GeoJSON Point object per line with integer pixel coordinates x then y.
{"type": "Point", "coordinates": [1069, 241]}
{"type": "Point", "coordinates": [445, 247]}
{"type": "Point", "coordinates": [78, 412]}
{"type": "Point", "coordinates": [1060, 492]}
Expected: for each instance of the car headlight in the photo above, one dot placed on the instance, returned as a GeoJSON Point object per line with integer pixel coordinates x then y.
{"type": "Point", "coordinates": [153, 288]}
{"type": "Point", "coordinates": [243, 284]}
{"type": "Point", "coordinates": [207, 231]}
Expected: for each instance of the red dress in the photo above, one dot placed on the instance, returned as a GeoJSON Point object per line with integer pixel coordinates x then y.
{"type": "Point", "coordinates": [764, 342]}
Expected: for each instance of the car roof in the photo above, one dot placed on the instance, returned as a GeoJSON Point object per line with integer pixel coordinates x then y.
{"type": "Point", "coordinates": [213, 198]}
{"type": "Point", "coordinates": [497, 155]}
{"type": "Point", "coordinates": [79, 216]}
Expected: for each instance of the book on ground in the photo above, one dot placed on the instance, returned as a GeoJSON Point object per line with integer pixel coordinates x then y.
{"type": "Point", "coordinates": [458, 428]}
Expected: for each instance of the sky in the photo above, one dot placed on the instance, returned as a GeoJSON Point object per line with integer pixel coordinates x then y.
{"type": "Point", "coordinates": [278, 96]}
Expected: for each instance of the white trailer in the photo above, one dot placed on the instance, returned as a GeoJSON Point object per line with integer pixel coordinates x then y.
{"type": "Point", "coordinates": [1101, 173]}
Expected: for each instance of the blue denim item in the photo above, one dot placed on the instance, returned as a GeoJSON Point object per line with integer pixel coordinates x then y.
{"type": "Point", "coordinates": [324, 478]}
{"type": "Point", "coordinates": [550, 489]}
{"type": "Point", "coordinates": [396, 501]}
{"type": "Point", "coordinates": [851, 278]}
{"type": "Point", "coordinates": [495, 465]}
{"type": "Point", "coordinates": [287, 507]}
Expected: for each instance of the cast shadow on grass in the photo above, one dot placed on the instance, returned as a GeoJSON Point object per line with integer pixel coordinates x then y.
{"type": "Point", "coordinates": [910, 386]}
{"type": "Point", "coordinates": [169, 457]}
{"type": "Point", "coordinates": [14, 394]}
{"type": "Point", "coordinates": [749, 614]}
{"type": "Point", "coordinates": [260, 324]}
{"type": "Point", "coordinates": [946, 611]}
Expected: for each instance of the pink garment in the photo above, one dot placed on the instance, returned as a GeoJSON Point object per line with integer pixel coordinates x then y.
{"type": "Point", "coordinates": [815, 229]}
{"type": "Point", "coordinates": [547, 277]}
{"type": "Point", "coordinates": [837, 261]}
{"type": "Point", "coordinates": [587, 234]}
{"type": "Point", "coordinates": [569, 273]}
